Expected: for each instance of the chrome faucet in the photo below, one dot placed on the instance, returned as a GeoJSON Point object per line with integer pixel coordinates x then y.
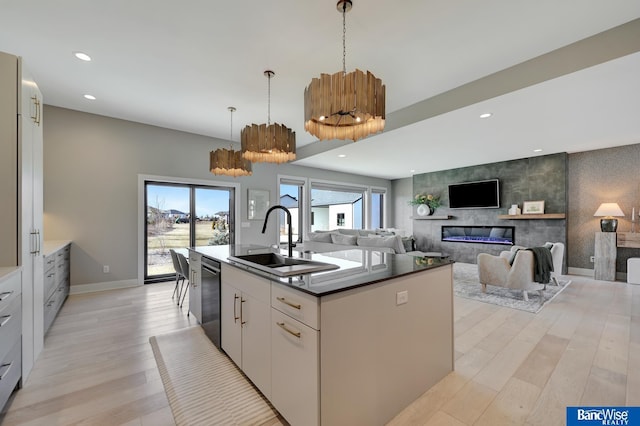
{"type": "Point", "coordinates": [286, 210]}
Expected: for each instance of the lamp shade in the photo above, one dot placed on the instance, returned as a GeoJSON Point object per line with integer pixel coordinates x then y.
{"type": "Point", "coordinates": [607, 211]}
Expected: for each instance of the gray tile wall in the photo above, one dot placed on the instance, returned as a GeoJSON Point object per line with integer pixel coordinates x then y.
{"type": "Point", "coordinates": [529, 179]}
{"type": "Point", "coordinates": [595, 177]}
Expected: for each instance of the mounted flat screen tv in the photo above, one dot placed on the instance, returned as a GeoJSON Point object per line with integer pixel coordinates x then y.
{"type": "Point", "coordinates": [483, 194]}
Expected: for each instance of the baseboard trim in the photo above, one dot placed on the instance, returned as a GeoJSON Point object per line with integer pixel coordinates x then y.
{"type": "Point", "coordinates": [103, 286]}
{"type": "Point", "coordinates": [583, 272]}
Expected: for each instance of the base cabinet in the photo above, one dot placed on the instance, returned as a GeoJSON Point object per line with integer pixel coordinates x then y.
{"type": "Point", "coordinates": [295, 370]}
{"type": "Point", "coordinates": [342, 358]}
{"type": "Point", "coordinates": [10, 333]}
{"type": "Point", "coordinates": [246, 327]}
{"type": "Point", "coordinates": [57, 282]}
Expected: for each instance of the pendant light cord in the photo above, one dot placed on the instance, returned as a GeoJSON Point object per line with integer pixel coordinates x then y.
{"type": "Point", "coordinates": [269, 100]}
{"type": "Point", "coordinates": [231, 110]}
{"type": "Point", "coordinates": [344, 38]}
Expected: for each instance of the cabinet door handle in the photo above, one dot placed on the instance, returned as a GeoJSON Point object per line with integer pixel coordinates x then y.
{"type": "Point", "coordinates": [5, 319]}
{"type": "Point", "coordinates": [235, 315]}
{"type": "Point", "coordinates": [5, 295]}
{"type": "Point", "coordinates": [288, 330]}
{"type": "Point", "coordinates": [3, 375]}
{"type": "Point", "coordinates": [242, 321]}
{"type": "Point", "coordinates": [286, 302]}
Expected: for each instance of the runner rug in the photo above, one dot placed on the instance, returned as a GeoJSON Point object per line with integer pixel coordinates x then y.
{"type": "Point", "coordinates": [203, 386]}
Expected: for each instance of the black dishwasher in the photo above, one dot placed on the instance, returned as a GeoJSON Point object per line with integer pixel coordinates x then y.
{"type": "Point", "coordinates": [211, 299]}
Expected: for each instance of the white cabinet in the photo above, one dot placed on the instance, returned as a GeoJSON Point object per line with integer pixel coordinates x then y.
{"type": "Point", "coordinates": [246, 325]}
{"type": "Point", "coordinates": [195, 288]}
{"type": "Point", "coordinates": [21, 190]}
{"type": "Point", "coordinates": [10, 331]}
{"type": "Point", "coordinates": [56, 279]}
{"type": "Point", "coordinates": [295, 370]}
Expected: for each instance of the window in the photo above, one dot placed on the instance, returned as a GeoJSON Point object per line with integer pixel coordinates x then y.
{"type": "Point", "coordinates": [336, 205]}
{"type": "Point", "coordinates": [377, 208]}
{"type": "Point", "coordinates": [291, 197]}
{"type": "Point", "coordinates": [180, 216]}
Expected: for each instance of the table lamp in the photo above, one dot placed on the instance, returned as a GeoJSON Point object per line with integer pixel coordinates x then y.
{"type": "Point", "coordinates": [608, 210]}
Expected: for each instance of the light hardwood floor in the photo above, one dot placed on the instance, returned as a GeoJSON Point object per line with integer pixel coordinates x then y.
{"type": "Point", "coordinates": [512, 367]}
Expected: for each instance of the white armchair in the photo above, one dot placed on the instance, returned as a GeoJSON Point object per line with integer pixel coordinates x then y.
{"type": "Point", "coordinates": [496, 270]}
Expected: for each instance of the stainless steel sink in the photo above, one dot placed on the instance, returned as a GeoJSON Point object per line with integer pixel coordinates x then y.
{"type": "Point", "coordinates": [282, 266]}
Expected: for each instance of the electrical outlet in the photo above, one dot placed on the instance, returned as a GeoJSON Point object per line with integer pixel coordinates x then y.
{"type": "Point", "coordinates": [592, 259]}
{"type": "Point", "coordinates": [105, 269]}
{"type": "Point", "coordinates": [402, 297]}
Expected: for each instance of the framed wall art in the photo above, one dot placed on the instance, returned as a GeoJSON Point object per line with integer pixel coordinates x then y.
{"type": "Point", "coordinates": [533, 207]}
{"type": "Point", "coordinates": [257, 204]}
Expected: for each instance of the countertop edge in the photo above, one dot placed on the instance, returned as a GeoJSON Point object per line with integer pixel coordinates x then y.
{"type": "Point", "coordinates": [7, 271]}
{"type": "Point", "coordinates": [52, 246]}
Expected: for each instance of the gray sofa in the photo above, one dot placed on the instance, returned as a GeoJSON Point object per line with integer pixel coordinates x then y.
{"type": "Point", "coordinates": [343, 239]}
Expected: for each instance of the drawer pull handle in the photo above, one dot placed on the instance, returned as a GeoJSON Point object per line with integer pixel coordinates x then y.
{"type": "Point", "coordinates": [4, 319]}
{"type": "Point", "coordinates": [5, 295]}
{"type": "Point", "coordinates": [286, 302]}
{"type": "Point", "coordinates": [285, 328]}
{"type": "Point", "coordinates": [3, 375]}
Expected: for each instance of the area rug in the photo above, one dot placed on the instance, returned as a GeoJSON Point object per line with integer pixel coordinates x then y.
{"type": "Point", "coordinates": [203, 386]}
{"type": "Point", "coordinates": [467, 285]}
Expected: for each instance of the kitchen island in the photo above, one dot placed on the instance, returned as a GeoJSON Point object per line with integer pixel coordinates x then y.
{"type": "Point", "coordinates": [351, 346]}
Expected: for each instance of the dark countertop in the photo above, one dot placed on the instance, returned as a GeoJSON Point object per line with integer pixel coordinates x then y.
{"type": "Point", "coordinates": [358, 267]}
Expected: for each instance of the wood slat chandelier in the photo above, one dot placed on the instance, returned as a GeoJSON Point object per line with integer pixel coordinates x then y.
{"type": "Point", "coordinates": [269, 143]}
{"type": "Point", "coordinates": [228, 162]}
{"type": "Point", "coordinates": [344, 105]}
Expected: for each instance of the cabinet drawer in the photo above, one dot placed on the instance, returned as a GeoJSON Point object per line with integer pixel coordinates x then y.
{"type": "Point", "coordinates": [9, 290]}
{"type": "Point", "coordinates": [50, 309]}
{"type": "Point", "coordinates": [10, 370]}
{"type": "Point", "coordinates": [301, 306]}
{"type": "Point", "coordinates": [62, 272]}
{"type": "Point", "coordinates": [10, 325]}
{"type": "Point", "coordinates": [50, 282]}
{"type": "Point", "coordinates": [295, 370]}
{"type": "Point", "coordinates": [49, 262]}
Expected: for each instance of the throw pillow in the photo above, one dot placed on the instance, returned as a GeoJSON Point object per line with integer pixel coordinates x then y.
{"type": "Point", "coordinates": [346, 231]}
{"type": "Point", "coordinates": [346, 240]}
{"type": "Point", "coordinates": [407, 242]}
{"type": "Point", "coordinates": [321, 237]}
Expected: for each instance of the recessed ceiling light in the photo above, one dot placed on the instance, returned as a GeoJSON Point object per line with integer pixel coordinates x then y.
{"type": "Point", "coordinates": [342, 155]}
{"type": "Point", "coordinates": [412, 171]}
{"type": "Point", "coordinates": [90, 97]}
{"type": "Point", "coordinates": [82, 56]}
{"type": "Point", "coordinates": [537, 150]}
{"type": "Point", "coordinates": [486, 115]}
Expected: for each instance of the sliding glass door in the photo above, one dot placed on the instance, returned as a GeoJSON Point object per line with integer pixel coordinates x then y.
{"type": "Point", "coordinates": [180, 216]}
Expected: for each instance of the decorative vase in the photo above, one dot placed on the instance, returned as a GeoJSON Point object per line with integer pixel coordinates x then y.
{"type": "Point", "coordinates": [424, 210]}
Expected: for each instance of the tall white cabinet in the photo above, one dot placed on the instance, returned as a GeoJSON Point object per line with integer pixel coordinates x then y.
{"type": "Point", "coordinates": [21, 195]}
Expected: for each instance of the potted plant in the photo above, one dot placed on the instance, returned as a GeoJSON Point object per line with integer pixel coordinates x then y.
{"type": "Point", "coordinates": [427, 203]}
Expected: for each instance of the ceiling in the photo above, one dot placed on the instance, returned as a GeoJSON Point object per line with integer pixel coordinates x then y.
{"type": "Point", "coordinates": [179, 65]}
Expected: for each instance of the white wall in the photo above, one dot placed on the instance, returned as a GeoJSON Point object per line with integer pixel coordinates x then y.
{"type": "Point", "coordinates": [401, 209]}
{"type": "Point", "coordinates": [91, 168]}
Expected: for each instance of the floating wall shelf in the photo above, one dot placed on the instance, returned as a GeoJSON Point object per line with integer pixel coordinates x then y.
{"type": "Point", "coordinates": [445, 217]}
{"type": "Point", "coordinates": [533, 216]}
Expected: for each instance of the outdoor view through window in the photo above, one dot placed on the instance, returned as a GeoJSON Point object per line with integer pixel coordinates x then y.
{"type": "Point", "coordinates": [180, 216]}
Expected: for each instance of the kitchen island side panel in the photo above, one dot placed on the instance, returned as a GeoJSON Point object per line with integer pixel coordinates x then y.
{"type": "Point", "coordinates": [377, 356]}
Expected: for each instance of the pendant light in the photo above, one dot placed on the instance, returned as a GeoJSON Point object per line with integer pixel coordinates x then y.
{"type": "Point", "coordinates": [228, 162]}
{"type": "Point", "coordinates": [270, 143]}
{"type": "Point", "coordinates": [344, 105]}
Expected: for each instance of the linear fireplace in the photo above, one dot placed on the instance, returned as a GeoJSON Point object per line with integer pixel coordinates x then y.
{"type": "Point", "coordinates": [504, 235]}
